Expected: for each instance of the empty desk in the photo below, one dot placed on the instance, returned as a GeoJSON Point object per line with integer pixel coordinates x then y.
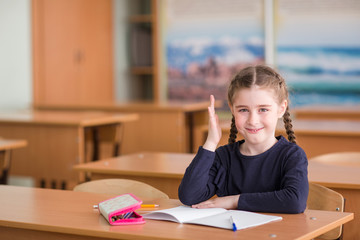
{"type": "Point", "coordinates": [56, 142]}
{"type": "Point", "coordinates": [163, 171]}
{"type": "Point", "coordinates": [6, 147]}
{"type": "Point", "coordinates": [163, 126]}
{"type": "Point", "coordinates": [350, 112]}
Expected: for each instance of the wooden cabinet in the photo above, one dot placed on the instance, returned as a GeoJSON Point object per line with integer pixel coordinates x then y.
{"type": "Point", "coordinates": [72, 51]}
{"type": "Point", "coordinates": [144, 50]}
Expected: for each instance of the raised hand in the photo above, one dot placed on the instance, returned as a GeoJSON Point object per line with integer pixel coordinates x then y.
{"type": "Point", "coordinates": [214, 132]}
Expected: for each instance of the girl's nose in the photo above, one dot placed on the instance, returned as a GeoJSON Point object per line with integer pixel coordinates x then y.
{"type": "Point", "coordinates": [253, 118]}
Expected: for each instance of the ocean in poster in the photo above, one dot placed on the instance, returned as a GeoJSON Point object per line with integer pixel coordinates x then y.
{"type": "Point", "coordinates": [315, 75]}
{"type": "Point", "coordinates": [321, 75]}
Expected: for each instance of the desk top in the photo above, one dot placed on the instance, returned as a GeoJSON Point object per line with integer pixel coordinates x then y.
{"type": "Point", "coordinates": [167, 106]}
{"type": "Point", "coordinates": [6, 144]}
{"type": "Point", "coordinates": [334, 176]}
{"type": "Point", "coordinates": [69, 212]}
{"type": "Point", "coordinates": [351, 112]}
{"type": "Point", "coordinates": [70, 118]}
{"type": "Point", "coordinates": [326, 127]}
{"type": "Point", "coordinates": [170, 165]}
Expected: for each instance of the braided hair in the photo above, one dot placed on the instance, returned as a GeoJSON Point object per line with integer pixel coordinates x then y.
{"type": "Point", "coordinates": [262, 76]}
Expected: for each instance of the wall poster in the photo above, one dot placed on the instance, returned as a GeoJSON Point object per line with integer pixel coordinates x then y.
{"type": "Point", "coordinates": [207, 41]}
{"type": "Point", "coordinates": [318, 50]}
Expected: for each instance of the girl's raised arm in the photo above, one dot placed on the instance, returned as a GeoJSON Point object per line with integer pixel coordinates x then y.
{"type": "Point", "coordinates": [214, 132]}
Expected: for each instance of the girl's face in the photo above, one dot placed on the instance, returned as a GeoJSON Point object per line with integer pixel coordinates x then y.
{"type": "Point", "coordinates": [256, 112]}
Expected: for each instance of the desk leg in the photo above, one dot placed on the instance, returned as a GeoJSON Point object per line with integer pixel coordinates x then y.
{"type": "Point", "coordinates": [6, 158]}
{"type": "Point", "coordinates": [190, 117]}
{"type": "Point", "coordinates": [119, 136]}
{"type": "Point", "coordinates": [95, 135]}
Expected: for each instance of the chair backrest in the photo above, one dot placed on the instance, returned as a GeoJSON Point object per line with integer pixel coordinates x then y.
{"type": "Point", "coordinates": [339, 158]}
{"type": "Point", "coordinates": [121, 186]}
{"type": "Point", "coordinates": [323, 198]}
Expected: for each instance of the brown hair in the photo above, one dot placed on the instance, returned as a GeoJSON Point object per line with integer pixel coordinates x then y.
{"type": "Point", "coordinates": [262, 76]}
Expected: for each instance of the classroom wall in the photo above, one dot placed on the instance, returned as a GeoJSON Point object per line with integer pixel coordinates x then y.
{"type": "Point", "coordinates": [15, 54]}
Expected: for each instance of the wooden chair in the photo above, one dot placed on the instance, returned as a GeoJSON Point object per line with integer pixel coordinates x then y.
{"type": "Point", "coordinates": [323, 198]}
{"type": "Point", "coordinates": [350, 159]}
{"type": "Point", "coordinates": [121, 186]}
{"type": "Point", "coordinates": [110, 137]}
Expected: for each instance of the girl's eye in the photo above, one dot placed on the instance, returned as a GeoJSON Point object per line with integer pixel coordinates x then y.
{"type": "Point", "coordinates": [263, 110]}
{"type": "Point", "coordinates": [243, 110]}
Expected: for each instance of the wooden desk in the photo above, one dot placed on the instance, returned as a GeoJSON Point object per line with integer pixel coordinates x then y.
{"type": "Point", "coordinates": [163, 171]}
{"type": "Point", "coordinates": [162, 126]}
{"type": "Point", "coordinates": [57, 141]}
{"type": "Point", "coordinates": [316, 137]}
{"type": "Point", "coordinates": [6, 146]}
{"type": "Point", "coordinates": [345, 180]}
{"type": "Point", "coordinates": [328, 112]}
{"type": "Point", "coordinates": [58, 214]}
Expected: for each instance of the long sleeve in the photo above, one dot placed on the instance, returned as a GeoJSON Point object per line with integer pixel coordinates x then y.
{"type": "Point", "coordinates": [197, 184]}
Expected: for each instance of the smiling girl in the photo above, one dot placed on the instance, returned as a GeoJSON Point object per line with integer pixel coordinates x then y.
{"type": "Point", "coordinates": [262, 172]}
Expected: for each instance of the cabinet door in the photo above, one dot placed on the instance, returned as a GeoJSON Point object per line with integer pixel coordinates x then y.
{"type": "Point", "coordinates": [73, 51]}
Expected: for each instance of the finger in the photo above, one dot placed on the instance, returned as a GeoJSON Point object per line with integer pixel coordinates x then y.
{"type": "Point", "coordinates": [211, 112]}
{"type": "Point", "coordinates": [212, 101]}
{"type": "Point", "coordinates": [204, 205]}
{"type": "Point", "coordinates": [211, 108]}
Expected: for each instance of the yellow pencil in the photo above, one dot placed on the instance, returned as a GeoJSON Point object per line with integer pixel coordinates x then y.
{"type": "Point", "coordinates": [149, 205]}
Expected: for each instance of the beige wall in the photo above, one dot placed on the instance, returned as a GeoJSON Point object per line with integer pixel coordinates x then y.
{"type": "Point", "coordinates": [15, 54]}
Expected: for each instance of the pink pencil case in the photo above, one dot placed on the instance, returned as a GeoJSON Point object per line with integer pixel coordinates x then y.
{"type": "Point", "coordinates": [120, 210]}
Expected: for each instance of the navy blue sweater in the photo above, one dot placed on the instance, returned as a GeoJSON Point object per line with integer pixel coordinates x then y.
{"type": "Point", "coordinates": [273, 181]}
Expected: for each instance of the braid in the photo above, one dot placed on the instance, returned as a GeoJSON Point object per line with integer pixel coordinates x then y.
{"type": "Point", "coordinates": [233, 131]}
{"type": "Point", "coordinates": [288, 126]}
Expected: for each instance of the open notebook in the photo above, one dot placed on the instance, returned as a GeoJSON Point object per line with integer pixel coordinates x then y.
{"type": "Point", "coordinates": [214, 217]}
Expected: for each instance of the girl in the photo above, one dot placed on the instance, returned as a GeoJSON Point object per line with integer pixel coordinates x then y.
{"type": "Point", "coordinates": [261, 173]}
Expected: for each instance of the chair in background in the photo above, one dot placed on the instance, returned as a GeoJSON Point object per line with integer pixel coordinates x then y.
{"type": "Point", "coordinates": [121, 186]}
{"type": "Point", "coordinates": [351, 159]}
{"type": "Point", "coordinates": [323, 198]}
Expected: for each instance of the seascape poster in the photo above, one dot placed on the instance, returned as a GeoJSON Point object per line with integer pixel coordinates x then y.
{"type": "Point", "coordinates": [207, 41]}
{"type": "Point", "coordinates": [318, 50]}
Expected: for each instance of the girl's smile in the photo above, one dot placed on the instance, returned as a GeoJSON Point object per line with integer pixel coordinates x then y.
{"type": "Point", "coordinates": [253, 131]}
